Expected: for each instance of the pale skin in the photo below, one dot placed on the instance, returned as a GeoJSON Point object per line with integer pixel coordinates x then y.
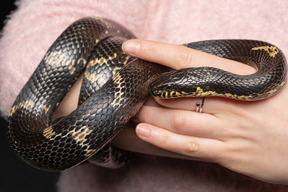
{"type": "Point", "coordinates": [246, 137]}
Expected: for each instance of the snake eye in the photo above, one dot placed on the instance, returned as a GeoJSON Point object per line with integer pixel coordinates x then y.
{"type": "Point", "coordinates": [168, 87]}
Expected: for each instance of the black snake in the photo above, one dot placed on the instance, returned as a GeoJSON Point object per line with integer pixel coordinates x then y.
{"type": "Point", "coordinates": [114, 88]}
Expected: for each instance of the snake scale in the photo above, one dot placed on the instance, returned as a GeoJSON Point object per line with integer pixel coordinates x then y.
{"type": "Point", "coordinates": [114, 88]}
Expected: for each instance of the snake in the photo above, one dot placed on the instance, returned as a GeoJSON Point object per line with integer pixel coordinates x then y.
{"type": "Point", "coordinates": [114, 88]}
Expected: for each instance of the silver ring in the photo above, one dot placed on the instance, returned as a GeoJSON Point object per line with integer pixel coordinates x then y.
{"type": "Point", "coordinates": [199, 106]}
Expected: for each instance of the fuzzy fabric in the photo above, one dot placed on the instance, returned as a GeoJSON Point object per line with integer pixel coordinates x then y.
{"type": "Point", "coordinates": [35, 25]}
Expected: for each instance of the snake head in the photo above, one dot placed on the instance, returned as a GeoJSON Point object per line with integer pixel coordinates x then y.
{"type": "Point", "coordinates": [170, 85]}
{"type": "Point", "coordinates": [188, 82]}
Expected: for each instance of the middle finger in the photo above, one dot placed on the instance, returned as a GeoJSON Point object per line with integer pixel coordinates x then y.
{"type": "Point", "coordinates": [181, 121]}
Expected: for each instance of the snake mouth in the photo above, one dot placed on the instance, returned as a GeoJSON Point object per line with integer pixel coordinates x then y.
{"type": "Point", "coordinates": [160, 93]}
{"type": "Point", "coordinates": [165, 90]}
{"type": "Point", "coordinates": [167, 94]}
{"type": "Point", "coordinates": [161, 89]}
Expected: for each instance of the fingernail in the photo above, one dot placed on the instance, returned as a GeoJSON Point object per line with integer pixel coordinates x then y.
{"type": "Point", "coordinates": [143, 131]}
{"type": "Point", "coordinates": [131, 47]}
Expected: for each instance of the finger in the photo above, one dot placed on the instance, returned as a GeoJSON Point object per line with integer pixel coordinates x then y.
{"type": "Point", "coordinates": [149, 102]}
{"type": "Point", "coordinates": [203, 148]}
{"type": "Point", "coordinates": [205, 105]}
{"type": "Point", "coordinates": [209, 105]}
{"type": "Point", "coordinates": [178, 56]}
{"type": "Point", "coordinates": [182, 121]}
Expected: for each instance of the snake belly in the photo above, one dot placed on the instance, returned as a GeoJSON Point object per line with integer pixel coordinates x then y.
{"type": "Point", "coordinates": [114, 88]}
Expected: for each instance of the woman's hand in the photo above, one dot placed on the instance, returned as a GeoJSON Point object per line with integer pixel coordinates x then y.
{"type": "Point", "coordinates": [247, 137]}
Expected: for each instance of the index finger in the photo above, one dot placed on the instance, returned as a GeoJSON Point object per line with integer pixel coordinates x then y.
{"type": "Point", "coordinates": [178, 56]}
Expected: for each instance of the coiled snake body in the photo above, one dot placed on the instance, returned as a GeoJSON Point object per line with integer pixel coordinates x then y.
{"type": "Point", "coordinates": [114, 88]}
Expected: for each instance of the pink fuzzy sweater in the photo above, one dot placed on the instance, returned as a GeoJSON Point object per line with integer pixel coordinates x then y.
{"type": "Point", "coordinates": [36, 24]}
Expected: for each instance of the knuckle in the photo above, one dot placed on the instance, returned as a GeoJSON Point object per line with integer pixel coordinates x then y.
{"type": "Point", "coordinates": [184, 58]}
{"type": "Point", "coordinates": [179, 122]}
{"type": "Point", "coordinates": [206, 152]}
{"type": "Point", "coordinates": [192, 147]}
{"type": "Point", "coordinates": [215, 152]}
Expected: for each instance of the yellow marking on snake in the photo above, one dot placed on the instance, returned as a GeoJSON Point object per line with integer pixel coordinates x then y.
{"type": "Point", "coordinates": [118, 95]}
{"type": "Point", "coordinates": [46, 109]}
{"type": "Point", "coordinates": [178, 94]}
{"type": "Point", "coordinates": [100, 61]}
{"type": "Point", "coordinates": [50, 57]}
{"type": "Point", "coordinates": [184, 93]}
{"type": "Point", "coordinates": [81, 60]}
{"type": "Point", "coordinates": [276, 89]}
{"type": "Point", "coordinates": [172, 93]}
{"type": "Point", "coordinates": [106, 23]}
{"type": "Point", "coordinates": [23, 104]}
{"type": "Point", "coordinates": [57, 57]}
{"type": "Point", "coordinates": [89, 152]}
{"type": "Point", "coordinates": [94, 77]}
{"type": "Point", "coordinates": [126, 60]}
{"type": "Point", "coordinates": [175, 93]}
{"type": "Point", "coordinates": [115, 70]}
{"type": "Point", "coordinates": [271, 50]}
{"type": "Point", "coordinates": [80, 137]}
{"type": "Point", "coordinates": [200, 93]}
{"type": "Point", "coordinates": [71, 66]}
{"type": "Point", "coordinates": [166, 94]}
{"type": "Point", "coordinates": [48, 132]}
